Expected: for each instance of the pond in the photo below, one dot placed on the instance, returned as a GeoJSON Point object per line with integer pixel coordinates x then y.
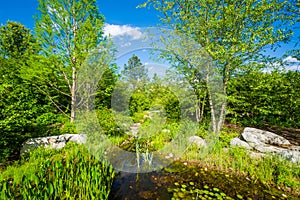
{"type": "Point", "coordinates": [189, 181]}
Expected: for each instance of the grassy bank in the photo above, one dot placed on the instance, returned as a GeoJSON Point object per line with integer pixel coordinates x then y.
{"type": "Point", "coordinates": [69, 173]}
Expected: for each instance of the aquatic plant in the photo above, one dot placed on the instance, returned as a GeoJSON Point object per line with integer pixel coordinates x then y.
{"type": "Point", "coordinates": [72, 174]}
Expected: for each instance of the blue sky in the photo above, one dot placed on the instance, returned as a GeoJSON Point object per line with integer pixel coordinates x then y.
{"type": "Point", "coordinates": [116, 12]}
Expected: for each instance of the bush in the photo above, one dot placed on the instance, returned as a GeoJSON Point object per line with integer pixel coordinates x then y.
{"type": "Point", "coordinates": [47, 119]}
{"type": "Point", "coordinates": [259, 98]}
{"type": "Point", "coordinates": [68, 128]}
{"type": "Point", "coordinates": [107, 122]}
{"type": "Point", "coordinates": [138, 102]}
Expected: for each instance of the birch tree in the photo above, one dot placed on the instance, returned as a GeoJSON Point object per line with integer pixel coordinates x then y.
{"type": "Point", "coordinates": [233, 32]}
{"type": "Point", "coordinates": [68, 30]}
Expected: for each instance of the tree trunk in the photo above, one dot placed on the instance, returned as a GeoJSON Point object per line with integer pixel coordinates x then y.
{"type": "Point", "coordinates": [200, 106]}
{"type": "Point", "coordinates": [223, 108]}
{"type": "Point", "coordinates": [73, 89]}
{"type": "Point", "coordinates": [73, 95]}
{"type": "Point", "coordinates": [198, 113]}
{"type": "Point", "coordinates": [211, 105]}
{"type": "Point", "coordinates": [203, 107]}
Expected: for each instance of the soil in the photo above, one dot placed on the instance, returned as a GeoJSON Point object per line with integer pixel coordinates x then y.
{"type": "Point", "coordinates": [291, 134]}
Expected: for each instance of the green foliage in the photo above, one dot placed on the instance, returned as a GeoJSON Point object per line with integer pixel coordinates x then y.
{"type": "Point", "coordinates": [138, 103]}
{"type": "Point", "coordinates": [47, 119]}
{"type": "Point", "coordinates": [68, 32]}
{"type": "Point", "coordinates": [268, 170]}
{"type": "Point", "coordinates": [172, 108]}
{"type": "Point", "coordinates": [20, 103]}
{"type": "Point", "coordinates": [139, 116]}
{"type": "Point", "coordinates": [68, 128]}
{"type": "Point", "coordinates": [189, 191]}
{"type": "Point", "coordinates": [75, 26]}
{"type": "Point", "coordinates": [230, 32]}
{"type": "Point", "coordinates": [231, 35]}
{"type": "Point", "coordinates": [295, 53]}
{"type": "Point", "coordinates": [162, 96]}
{"type": "Point", "coordinates": [135, 72]}
{"type": "Point", "coordinates": [107, 122]}
{"type": "Point", "coordinates": [106, 87]}
{"type": "Point", "coordinates": [259, 98]}
{"type": "Point", "coordinates": [16, 41]}
{"type": "Point", "coordinates": [71, 173]}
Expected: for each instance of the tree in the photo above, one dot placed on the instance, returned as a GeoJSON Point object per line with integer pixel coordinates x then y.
{"type": "Point", "coordinates": [182, 71]}
{"type": "Point", "coordinates": [258, 98]}
{"type": "Point", "coordinates": [67, 31]}
{"type": "Point", "coordinates": [135, 72]}
{"type": "Point", "coordinates": [20, 104]}
{"type": "Point", "coordinates": [233, 33]}
{"type": "Point", "coordinates": [296, 52]}
{"type": "Point", "coordinates": [132, 79]}
{"type": "Point", "coordinates": [106, 87]}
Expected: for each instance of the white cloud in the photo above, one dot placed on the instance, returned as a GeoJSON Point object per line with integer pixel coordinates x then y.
{"type": "Point", "coordinates": [156, 68]}
{"type": "Point", "coordinates": [122, 30]}
{"type": "Point", "coordinates": [127, 44]}
{"type": "Point", "coordinates": [288, 63]}
{"type": "Point", "coordinates": [291, 59]}
{"type": "Point", "coordinates": [291, 63]}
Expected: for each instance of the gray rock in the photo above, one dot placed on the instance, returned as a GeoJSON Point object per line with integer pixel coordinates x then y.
{"type": "Point", "coordinates": [294, 148]}
{"type": "Point", "coordinates": [240, 143]}
{"type": "Point", "coordinates": [291, 155]}
{"type": "Point", "coordinates": [55, 142]}
{"type": "Point", "coordinates": [78, 138]}
{"type": "Point", "coordinates": [265, 142]}
{"type": "Point", "coordinates": [255, 137]}
{"type": "Point", "coordinates": [57, 145]}
{"type": "Point", "coordinates": [197, 141]}
{"type": "Point", "coordinates": [264, 148]}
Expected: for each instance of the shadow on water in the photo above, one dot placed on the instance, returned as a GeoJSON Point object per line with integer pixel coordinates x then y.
{"type": "Point", "coordinates": [178, 181]}
{"type": "Point", "coordinates": [133, 186]}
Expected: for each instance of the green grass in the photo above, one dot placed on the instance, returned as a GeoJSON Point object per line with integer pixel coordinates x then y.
{"type": "Point", "coordinates": [156, 133]}
{"type": "Point", "coordinates": [69, 173]}
{"type": "Point", "coordinates": [269, 170]}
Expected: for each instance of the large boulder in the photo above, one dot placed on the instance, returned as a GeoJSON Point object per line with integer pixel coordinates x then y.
{"type": "Point", "coordinates": [198, 141]}
{"type": "Point", "coordinates": [265, 148]}
{"type": "Point", "coordinates": [255, 137]}
{"type": "Point", "coordinates": [240, 143]}
{"type": "Point", "coordinates": [265, 142]}
{"type": "Point", "coordinates": [55, 142]}
{"type": "Point", "coordinates": [293, 156]}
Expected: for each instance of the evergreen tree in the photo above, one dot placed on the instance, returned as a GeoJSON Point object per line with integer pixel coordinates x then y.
{"type": "Point", "coordinates": [135, 72]}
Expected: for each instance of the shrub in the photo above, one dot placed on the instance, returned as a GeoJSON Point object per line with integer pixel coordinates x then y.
{"type": "Point", "coordinates": [107, 122]}
{"type": "Point", "coordinates": [138, 102]}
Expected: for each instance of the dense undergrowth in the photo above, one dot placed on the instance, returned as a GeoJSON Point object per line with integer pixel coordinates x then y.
{"type": "Point", "coordinates": [69, 173]}
{"type": "Point", "coordinates": [72, 173]}
{"type": "Point", "coordinates": [39, 87]}
{"type": "Point", "coordinates": [271, 170]}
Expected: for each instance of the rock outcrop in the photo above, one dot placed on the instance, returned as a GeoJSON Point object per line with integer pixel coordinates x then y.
{"type": "Point", "coordinates": [257, 136]}
{"type": "Point", "coordinates": [262, 142]}
{"type": "Point", "coordinates": [55, 142]}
